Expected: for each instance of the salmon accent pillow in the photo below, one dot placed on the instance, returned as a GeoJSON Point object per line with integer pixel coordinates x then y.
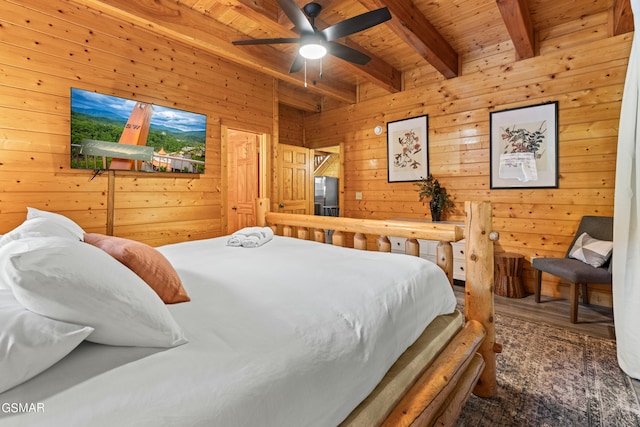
{"type": "Point", "coordinates": [149, 264]}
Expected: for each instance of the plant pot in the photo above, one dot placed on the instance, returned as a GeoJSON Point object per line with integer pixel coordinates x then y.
{"type": "Point", "coordinates": [435, 212]}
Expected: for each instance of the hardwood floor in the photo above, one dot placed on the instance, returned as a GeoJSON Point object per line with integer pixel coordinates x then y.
{"type": "Point", "coordinates": [593, 320]}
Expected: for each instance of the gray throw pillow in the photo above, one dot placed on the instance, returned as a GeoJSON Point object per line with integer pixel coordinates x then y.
{"type": "Point", "coordinates": [590, 250]}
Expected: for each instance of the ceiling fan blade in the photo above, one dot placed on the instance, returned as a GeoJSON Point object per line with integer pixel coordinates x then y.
{"type": "Point", "coordinates": [347, 53]}
{"type": "Point", "coordinates": [356, 24]}
{"type": "Point", "coordinates": [266, 41]}
{"type": "Point", "coordinates": [296, 15]}
{"type": "Point", "coordinates": [297, 64]}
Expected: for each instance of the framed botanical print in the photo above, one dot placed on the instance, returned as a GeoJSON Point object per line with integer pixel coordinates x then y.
{"type": "Point", "coordinates": [407, 149]}
{"type": "Point", "coordinates": [524, 147]}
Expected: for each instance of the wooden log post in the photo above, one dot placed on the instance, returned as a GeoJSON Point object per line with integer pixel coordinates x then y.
{"type": "Point", "coordinates": [303, 233]}
{"type": "Point", "coordinates": [444, 259]}
{"type": "Point", "coordinates": [111, 198]}
{"type": "Point", "coordinates": [262, 207]}
{"type": "Point", "coordinates": [412, 247]}
{"type": "Point", "coordinates": [479, 288]}
{"type": "Point", "coordinates": [360, 241]}
{"type": "Point", "coordinates": [384, 244]}
{"type": "Point", "coordinates": [319, 235]}
{"type": "Point", "coordinates": [338, 238]}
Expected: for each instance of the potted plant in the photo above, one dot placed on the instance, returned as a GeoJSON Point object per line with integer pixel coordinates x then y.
{"type": "Point", "coordinates": [430, 188]}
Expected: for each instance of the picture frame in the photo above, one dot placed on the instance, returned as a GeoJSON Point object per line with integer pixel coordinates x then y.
{"type": "Point", "coordinates": [408, 149]}
{"type": "Point", "coordinates": [524, 147]}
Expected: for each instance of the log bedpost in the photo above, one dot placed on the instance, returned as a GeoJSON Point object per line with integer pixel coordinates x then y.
{"type": "Point", "coordinates": [262, 207]}
{"type": "Point", "coordinates": [479, 288]}
{"type": "Point", "coordinates": [444, 259]}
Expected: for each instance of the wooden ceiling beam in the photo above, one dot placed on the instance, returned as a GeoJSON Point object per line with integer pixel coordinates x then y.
{"type": "Point", "coordinates": [376, 71]}
{"type": "Point", "coordinates": [299, 99]}
{"type": "Point", "coordinates": [516, 16]}
{"type": "Point", "coordinates": [414, 28]}
{"type": "Point", "coordinates": [265, 7]}
{"type": "Point", "coordinates": [622, 17]}
{"type": "Point", "coordinates": [175, 21]}
{"type": "Point", "coordinates": [256, 11]}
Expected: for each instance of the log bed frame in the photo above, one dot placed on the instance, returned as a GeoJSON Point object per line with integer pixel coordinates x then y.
{"type": "Point", "coordinates": [467, 363]}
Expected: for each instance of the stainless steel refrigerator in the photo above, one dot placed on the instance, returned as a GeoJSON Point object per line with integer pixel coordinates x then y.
{"type": "Point", "coordinates": [326, 196]}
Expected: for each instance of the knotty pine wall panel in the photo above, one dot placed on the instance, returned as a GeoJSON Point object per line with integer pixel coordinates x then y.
{"type": "Point", "coordinates": [585, 74]}
{"type": "Point", "coordinates": [49, 47]}
{"type": "Point", "coordinates": [290, 126]}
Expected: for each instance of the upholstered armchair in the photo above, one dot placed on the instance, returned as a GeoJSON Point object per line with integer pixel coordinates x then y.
{"type": "Point", "coordinates": [588, 260]}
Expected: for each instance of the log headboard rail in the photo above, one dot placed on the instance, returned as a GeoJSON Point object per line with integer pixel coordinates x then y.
{"type": "Point", "coordinates": [410, 230]}
{"type": "Point", "coordinates": [442, 232]}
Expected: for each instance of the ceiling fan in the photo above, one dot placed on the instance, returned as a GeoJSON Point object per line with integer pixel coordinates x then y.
{"type": "Point", "coordinates": [314, 43]}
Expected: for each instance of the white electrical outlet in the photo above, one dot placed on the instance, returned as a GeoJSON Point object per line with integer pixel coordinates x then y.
{"type": "Point", "coordinates": [358, 195]}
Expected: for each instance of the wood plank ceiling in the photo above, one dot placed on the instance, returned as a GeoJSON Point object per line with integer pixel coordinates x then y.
{"type": "Point", "coordinates": [421, 33]}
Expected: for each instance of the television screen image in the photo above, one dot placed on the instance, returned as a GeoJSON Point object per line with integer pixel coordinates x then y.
{"type": "Point", "coordinates": [109, 132]}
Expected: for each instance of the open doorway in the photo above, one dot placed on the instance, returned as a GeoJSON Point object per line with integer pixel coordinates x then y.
{"type": "Point", "coordinates": [328, 185]}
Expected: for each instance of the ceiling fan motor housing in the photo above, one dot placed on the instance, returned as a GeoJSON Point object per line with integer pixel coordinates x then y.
{"type": "Point", "coordinates": [312, 10]}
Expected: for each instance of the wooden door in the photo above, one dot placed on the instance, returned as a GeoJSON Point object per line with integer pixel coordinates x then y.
{"type": "Point", "coordinates": [295, 179]}
{"type": "Point", "coordinates": [243, 179]}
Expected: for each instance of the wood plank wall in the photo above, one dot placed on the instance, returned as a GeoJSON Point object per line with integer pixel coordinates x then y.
{"type": "Point", "coordinates": [578, 65]}
{"type": "Point", "coordinates": [290, 125]}
{"type": "Point", "coordinates": [49, 47]}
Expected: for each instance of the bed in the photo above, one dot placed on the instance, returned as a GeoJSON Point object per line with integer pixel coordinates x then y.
{"type": "Point", "coordinates": [255, 336]}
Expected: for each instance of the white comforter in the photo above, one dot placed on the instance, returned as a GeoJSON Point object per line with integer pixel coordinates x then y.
{"type": "Point", "coordinates": [288, 334]}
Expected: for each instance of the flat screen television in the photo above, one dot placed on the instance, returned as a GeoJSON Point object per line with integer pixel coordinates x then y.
{"type": "Point", "coordinates": [108, 132]}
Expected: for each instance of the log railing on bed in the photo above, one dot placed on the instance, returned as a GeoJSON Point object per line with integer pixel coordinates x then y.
{"type": "Point", "coordinates": [468, 363]}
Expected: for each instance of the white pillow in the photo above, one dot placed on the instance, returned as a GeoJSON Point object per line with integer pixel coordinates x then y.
{"type": "Point", "coordinates": [44, 224]}
{"type": "Point", "coordinates": [76, 282]}
{"type": "Point", "coordinates": [60, 220]}
{"type": "Point", "coordinates": [20, 245]}
{"type": "Point", "coordinates": [30, 343]}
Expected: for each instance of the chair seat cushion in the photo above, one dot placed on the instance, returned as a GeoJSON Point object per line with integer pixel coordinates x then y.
{"type": "Point", "coordinates": [572, 270]}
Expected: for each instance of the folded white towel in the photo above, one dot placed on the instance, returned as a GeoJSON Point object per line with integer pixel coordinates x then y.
{"type": "Point", "coordinates": [235, 240]}
{"type": "Point", "coordinates": [239, 236]}
{"type": "Point", "coordinates": [258, 238]}
{"type": "Point", "coordinates": [250, 237]}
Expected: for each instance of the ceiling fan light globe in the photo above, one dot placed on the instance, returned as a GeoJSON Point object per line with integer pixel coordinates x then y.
{"type": "Point", "coordinates": [312, 51]}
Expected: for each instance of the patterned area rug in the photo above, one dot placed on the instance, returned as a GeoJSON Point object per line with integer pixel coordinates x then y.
{"type": "Point", "coordinates": [549, 376]}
